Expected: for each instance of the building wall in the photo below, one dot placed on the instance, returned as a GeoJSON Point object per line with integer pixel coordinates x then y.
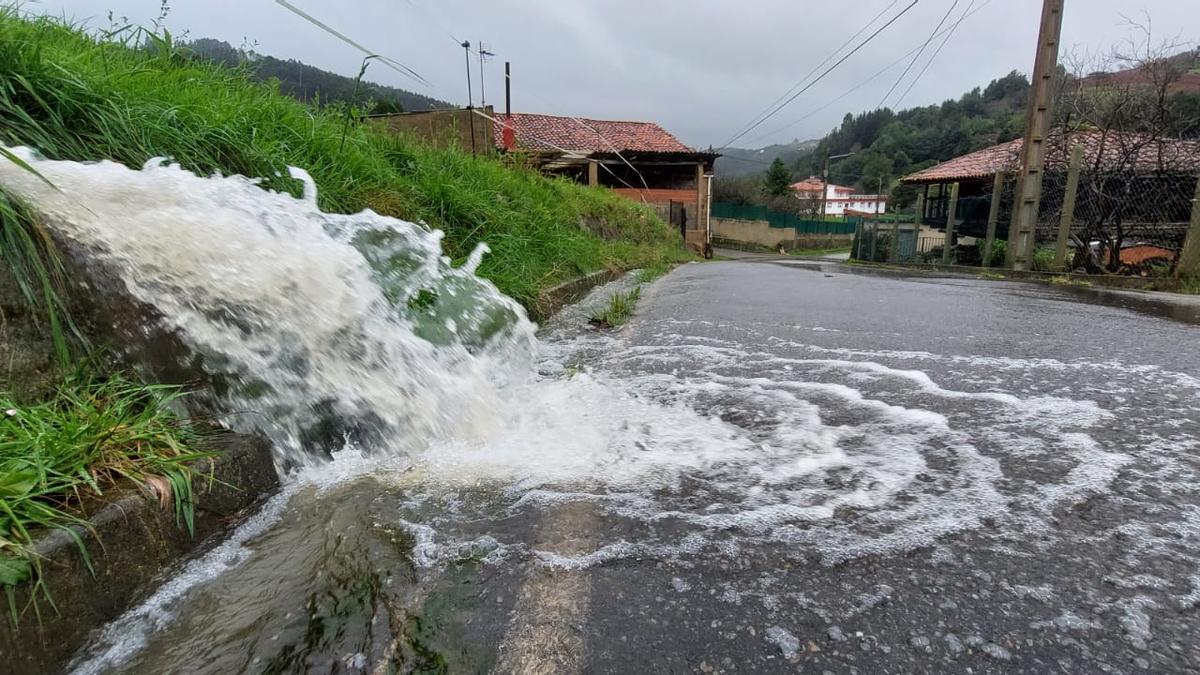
{"type": "Point", "coordinates": [460, 128]}
{"type": "Point", "coordinates": [694, 201]}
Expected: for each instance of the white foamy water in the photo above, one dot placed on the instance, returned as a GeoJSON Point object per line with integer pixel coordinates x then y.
{"type": "Point", "coordinates": [305, 310]}
{"type": "Point", "coordinates": [691, 440]}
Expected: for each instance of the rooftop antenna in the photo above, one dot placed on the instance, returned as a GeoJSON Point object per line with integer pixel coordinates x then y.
{"type": "Point", "coordinates": [483, 56]}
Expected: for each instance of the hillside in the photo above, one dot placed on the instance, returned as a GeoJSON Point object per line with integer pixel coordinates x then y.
{"type": "Point", "coordinates": [891, 144]}
{"type": "Point", "coordinates": [71, 97]}
{"type": "Point", "coordinates": [308, 83]}
{"type": "Point", "coordinates": [1181, 71]}
{"type": "Point", "coordinates": [735, 162]}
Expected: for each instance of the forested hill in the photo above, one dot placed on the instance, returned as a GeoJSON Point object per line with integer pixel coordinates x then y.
{"type": "Point", "coordinates": [890, 144]}
{"type": "Point", "coordinates": [308, 83]}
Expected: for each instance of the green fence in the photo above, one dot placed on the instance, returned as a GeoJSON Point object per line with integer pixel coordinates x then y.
{"type": "Point", "coordinates": [785, 220]}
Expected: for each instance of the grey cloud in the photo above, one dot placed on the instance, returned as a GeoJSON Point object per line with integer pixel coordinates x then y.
{"type": "Point", "coordinates": [701, 68]}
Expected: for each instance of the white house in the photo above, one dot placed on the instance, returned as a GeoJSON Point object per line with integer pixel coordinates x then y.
{"type": "Point", "coordinates": [839, 200]}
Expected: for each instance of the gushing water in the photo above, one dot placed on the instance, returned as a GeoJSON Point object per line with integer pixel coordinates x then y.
{"type": "Point", "coordinates": [352, 321]}
{"type": "Point", "coordinates": [704, 448]}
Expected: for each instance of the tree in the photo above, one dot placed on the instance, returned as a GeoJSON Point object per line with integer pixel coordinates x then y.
{"type": "Point", "coordinates": [386, 107]}
{"type": "Point", "coordinates": [778, 181]}
{"type": "Point", "coordinates": [876, 172]}
{"type": "Point", "coordinates": [1137, 181]}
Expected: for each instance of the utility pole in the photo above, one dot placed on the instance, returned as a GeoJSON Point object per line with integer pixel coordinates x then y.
{"type": "Point", "coordinates": [467, 53]}
{"type": "Point", "coordinates": [1022, 232]}
{"type": "Point", "coordinates": [825, 181]}
{"type": "Point", "coordinates": [483, 56]}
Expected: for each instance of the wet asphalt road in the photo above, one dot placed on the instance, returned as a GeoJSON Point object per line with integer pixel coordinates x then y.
{"type": "Point", "coordinates": [1079, 563]}
{"type": "Point", "coordinates": [900, 475]}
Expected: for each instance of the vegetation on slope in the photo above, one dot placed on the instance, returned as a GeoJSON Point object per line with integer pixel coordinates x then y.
{"type": "Point", "coordinates": [90, 436]}
{"type": "Point", "coordinates": [73, 97]}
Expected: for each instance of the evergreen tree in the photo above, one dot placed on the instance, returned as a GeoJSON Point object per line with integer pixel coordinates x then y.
{"type": "Point", "coordinates": [778, 181]}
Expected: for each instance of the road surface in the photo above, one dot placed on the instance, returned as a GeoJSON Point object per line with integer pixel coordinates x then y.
{"type": "Point", "coordinates": [776, 467]}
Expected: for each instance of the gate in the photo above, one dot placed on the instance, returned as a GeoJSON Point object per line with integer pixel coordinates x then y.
{"type": "Point", "coordinates": [679, 218]}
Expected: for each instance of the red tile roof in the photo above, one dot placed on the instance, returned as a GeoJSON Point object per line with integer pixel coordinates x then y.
{"type": "Point", "coordinates": [810, 184]}
{"type": "Point", "coordinates": [1118, 151]}
{"type": "Point", "coordinates": [543, 132]}
{"type": "Point", "coordinates": [815, 184]}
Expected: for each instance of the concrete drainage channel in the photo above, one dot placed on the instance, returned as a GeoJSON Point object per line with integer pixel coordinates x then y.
{"type": "Point", "coordinates": [133, 545]}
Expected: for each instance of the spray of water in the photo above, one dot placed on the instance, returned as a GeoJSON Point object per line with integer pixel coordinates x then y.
{"type": "Point", "coordinates": [358, 321]}
{"type": "Point", "coordinates": [682, 444]}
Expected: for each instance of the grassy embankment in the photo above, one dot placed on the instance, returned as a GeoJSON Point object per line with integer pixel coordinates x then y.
{"type": "Point", "coordinates": [73, 97]}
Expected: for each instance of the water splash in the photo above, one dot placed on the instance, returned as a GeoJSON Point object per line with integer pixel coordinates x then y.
{"type": "Point", "coordinates": [351, 321]}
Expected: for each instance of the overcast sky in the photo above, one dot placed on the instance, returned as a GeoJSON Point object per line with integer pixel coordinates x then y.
{"type": "Point", "coordinates": [701, 68]}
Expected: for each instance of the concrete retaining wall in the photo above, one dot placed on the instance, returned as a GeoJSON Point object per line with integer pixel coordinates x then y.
{"type": "Point", "coordinates": [130, 539]}
{"type": "Point", "coordinates": [760, 233]}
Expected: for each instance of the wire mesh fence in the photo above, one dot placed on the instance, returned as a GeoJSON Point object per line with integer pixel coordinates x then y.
{"type": "Point", "coordinates": [1114, 203]}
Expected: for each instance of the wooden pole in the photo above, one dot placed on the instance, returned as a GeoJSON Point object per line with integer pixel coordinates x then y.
{"type": "Point", "coordinates": [1022, 233]}
{"type": "Point", "coordinates": [951, 207]}
{"type": "Point", "coordinates": [1189, 257]}
{"type": "Point", "coordinates": [917, 222]}
{"type": "Point", "coordinates": [1068, 208]}
{"type": "Point", "coordinates": [989, 241]}
{"type": "Point", "coordinates": [894, 254]}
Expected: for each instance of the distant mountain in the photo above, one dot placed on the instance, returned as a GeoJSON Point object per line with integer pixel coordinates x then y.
{"type": "Point", "coordinates": [736, 162]}
{"type": "Point", "coordinates": [309, 83]}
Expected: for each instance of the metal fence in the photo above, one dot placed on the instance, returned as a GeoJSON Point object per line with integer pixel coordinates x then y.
{"type": "Point", "coordinates": [785, 219]}
{"type": "Point", "coordinates": [1091, 220]}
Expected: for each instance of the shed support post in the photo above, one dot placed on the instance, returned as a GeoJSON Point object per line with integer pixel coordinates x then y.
{"type": "Point", "coordinates": [917, 223]}
{"type": "Point", "coordinates": [989, 241]}
{"type": "Point", "coordinates": [951, 207]}
{"type": "Point", "coordinates": [593, 173]}
{"type": "Point", "coordinates": [1189, 257]}
{"type": "Point", "coordinates": [1068, 208]}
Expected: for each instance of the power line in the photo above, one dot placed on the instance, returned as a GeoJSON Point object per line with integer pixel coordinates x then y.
{"type": "Point", "coordinates": [935, 53]}
{"type": "Point", "coordinates": [809, 74]}
{"type": "Point", "coordinates": [867, 81]}
{"type": "Point", "coordinates": [389, 62]}
{"type": "Point", "coordinates": [918, 56]}
{"type": "Point", "coordinates": [820, 77]}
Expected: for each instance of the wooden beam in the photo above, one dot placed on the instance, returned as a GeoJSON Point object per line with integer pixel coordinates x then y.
{"type": "Point", "coordinates": [1068, 208]}
{"type": "Point", "coordinates": [993, 217]}
{"type": "Point", "coordinates": [951, 207]}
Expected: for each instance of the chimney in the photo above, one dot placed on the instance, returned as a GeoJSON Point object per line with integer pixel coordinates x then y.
{"type": "Point", "coordinates": [508, 137]}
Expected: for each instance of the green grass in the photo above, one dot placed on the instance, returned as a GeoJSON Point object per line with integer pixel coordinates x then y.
{"type": "Point", "coordinates": [1190, 284]}
{"type": "Point", "coordinates": [92, 436]}
{"type": "Point", "coordinates": [73, 97]}
{"type": "Point", "coordinates": [653, 271]}
{"type": "Point", "coordinates": [1042, 261]}
{"type": "Point", "coordinates": [620, 307]}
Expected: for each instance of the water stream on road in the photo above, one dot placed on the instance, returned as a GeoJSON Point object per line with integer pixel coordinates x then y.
{"type": "Point", "coordinates": [496, 484]}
